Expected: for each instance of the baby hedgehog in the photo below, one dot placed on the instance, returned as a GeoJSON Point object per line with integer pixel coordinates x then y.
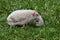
{"type": "Point", "coordinates": [23, 17]}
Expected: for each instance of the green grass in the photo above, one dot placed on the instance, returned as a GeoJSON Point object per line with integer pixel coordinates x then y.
{"type": "Point", "coordinates": [48, 9]}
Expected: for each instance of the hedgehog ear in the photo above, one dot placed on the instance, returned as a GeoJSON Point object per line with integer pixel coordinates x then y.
{"type": "Point", "coordinates": [34, 15]}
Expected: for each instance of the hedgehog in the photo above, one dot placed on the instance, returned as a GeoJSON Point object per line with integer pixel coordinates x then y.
{"type": "Point", "coordinates": [23, 17]}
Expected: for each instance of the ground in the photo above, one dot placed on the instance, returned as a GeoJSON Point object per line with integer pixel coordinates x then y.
{"type": "Point", "coordinates": [48, 9]}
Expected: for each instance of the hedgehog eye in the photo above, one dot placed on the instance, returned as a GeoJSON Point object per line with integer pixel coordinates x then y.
{"type": "Point", "coordinates": [37, 15]}
{"type": "Point", "coordinates": [37, 20]}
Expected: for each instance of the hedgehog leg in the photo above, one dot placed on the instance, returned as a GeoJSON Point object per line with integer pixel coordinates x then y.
{"type": "Point", "coordinates": [23, 26]}
{"type": "Point", "coordinates": [11, 26]}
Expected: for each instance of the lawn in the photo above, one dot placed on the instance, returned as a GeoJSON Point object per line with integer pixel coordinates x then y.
{"type": "Point", "coordinates": [48, 9]}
